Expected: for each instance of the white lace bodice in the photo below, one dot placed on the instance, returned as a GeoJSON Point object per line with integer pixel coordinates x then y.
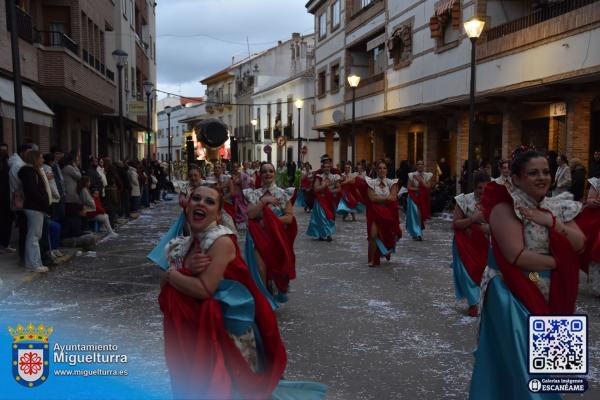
{"type": "Point", "coordinates": [412, 177]}
{"type": "Point", "coordinates": [332, 178]}
{"type": "Point", "coordinates": [595, 182]}
{"type": "Point", "coordinates": [178, 247]}
{"type": "Point", "coordinates": [467, 203]}
{"type": "Point", "coordinates": [381, 187]}
{"type": "Point", "coordinates": [563, 207]}
{"type": "Point", "coordinates": [283, 195]}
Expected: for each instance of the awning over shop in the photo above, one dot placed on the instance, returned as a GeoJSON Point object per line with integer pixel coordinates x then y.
{"type": "Point", "coordinates": [35, 111]}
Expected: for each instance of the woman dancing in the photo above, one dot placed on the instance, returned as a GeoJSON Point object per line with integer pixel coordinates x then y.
{"type": "Point", "coordinates": [383, 220]}
{"type": "Point", "coordinates": [272, 229]}
{"type": "Point", "coordinates": [221, 336]}
{"type": "Point", "coordinates": [470, 244]}
{"type": "Point", "coordinates": [419, 201]}
{"type": "Point", "coordinates": [322, 217]}
{"type": "Point", "coordinates": [533, 270]}
{"type": "Point", "coordinates": [348, 204]}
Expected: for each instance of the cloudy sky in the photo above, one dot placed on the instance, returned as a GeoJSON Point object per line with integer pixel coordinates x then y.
{"type": "Point", "coordinates": [196, 38]}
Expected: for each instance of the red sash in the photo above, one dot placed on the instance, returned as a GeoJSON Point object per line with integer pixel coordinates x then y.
{"type": "Point", "coordinates": [328, 202]}
{"type": "Point", "coordinates": [203, 361]}
{"type": "Point", "coordinates": [276, 248]}
{"type": "Point", "coordinates": [422, 199]}
{"type": "Point", "coordinates": [473, 250]}
{"type": "Point", "coordinates": [589, 223]}
{"type": "Point", "coordinates": [564, 278]}
{"type": "Point", "coordinates": [385, 216]}
{"type": "Point", "coordinates": [229, 209]}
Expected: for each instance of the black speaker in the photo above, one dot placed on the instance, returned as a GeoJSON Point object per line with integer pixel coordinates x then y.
{"type": "Point", "coordinates": [212, 132]}
{"type": "Point", "coordinates": [190, 150]}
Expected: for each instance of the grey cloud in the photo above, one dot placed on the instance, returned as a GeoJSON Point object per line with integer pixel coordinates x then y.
{"type": "Point", "coordinates": [183, 57]}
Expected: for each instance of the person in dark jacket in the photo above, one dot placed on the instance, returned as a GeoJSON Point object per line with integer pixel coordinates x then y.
{"type": "Point", "coordinates": [595, 165]}
{"type": "Point", "coordinates": [577, 179]}
{"type": "Point", "coordinates": [35, 206]}
{"type": "Point", "coordinates": [125, 188]}
{"type": "Point", "coordinates": [95, 178]}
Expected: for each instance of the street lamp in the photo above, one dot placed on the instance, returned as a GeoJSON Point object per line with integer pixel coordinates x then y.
{"type": "Point", "coordinates": [120, 57]}
{"type": "Point", "coordinates": [353, 81]}
{"type": "Point", "coordinates": [473, 28]}
{"type": "Point", "coordinates": [148, 88]}
{"type": "Point", "coordinates": [299, 103]}
{"type": "Point", "coordinates": [168, 112]}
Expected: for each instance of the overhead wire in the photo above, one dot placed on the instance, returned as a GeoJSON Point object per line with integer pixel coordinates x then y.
{"type": "Point", "coordinates": [228, 104]}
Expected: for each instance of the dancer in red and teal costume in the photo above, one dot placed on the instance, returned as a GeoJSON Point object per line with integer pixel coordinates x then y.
{"type": "Point", "coordinates": [221, 335]}
{"type": "Point", "coordinates": [470, 245]}
{"type": "Point", "coordinates": [272, 230]}
{"type": "Point", "coordinates": [533, 270]}
{"type": "Point", "coordinates": [350, 198]}
{"type": "Point", "coordinates": [322, 218]}
{"type": "Point", "coordinates": [383, 219]}
{"type": "Point", "coordinates": [589, 222]}
{"type": "Point", "coordinates": [419, 201]}
{"type": "Point", "coordinates": [303, 200]}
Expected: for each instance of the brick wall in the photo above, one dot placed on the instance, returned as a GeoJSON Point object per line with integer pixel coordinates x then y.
{"type": "Point", "coordinates": [61, 70]}
{"type": "Point", "coordinates": [579, 108]}
{"type": "Point", "coordinates": [511, 132]}
{"type": "Point", "coordinates": [462, 143]}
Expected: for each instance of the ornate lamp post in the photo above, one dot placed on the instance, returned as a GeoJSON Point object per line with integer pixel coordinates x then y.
{"type": "Point", "coordinates": [168, 112]}
{"type": "Point", "coordinates": [353, 81]}
{"type": "Point", "coordinates": [120, 57]}
{"type": "Point", "coordinates": [148, 88]}
{"type": "Point", "coordinates": [473, 28]}
{"type": "Point", "coordinates": [299, 103]}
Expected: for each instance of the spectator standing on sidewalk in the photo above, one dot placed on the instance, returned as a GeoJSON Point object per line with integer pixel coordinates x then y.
{"type": "Point", "coordinates": [577, 179]}
{"type": "Point", "coordinates": [16, 162]}
{"type": "Point", "coordinates": [35, 206]}
{"type": "Point", "coordinates": [72, 175]}
{"type": "Point", "coordinates": [102, 175]}
{"type": "Point", "coordinates": [60, 182]}
{"type": "Point", "coordinates": [7, 216]}
{"type": "Point", "coordinates": [92, 172]}
{"type": "Point", "coordinates": [111, 200]}
{"type": "Point", "coordinates": [595, 165]}
{"type": "Point", "coordinates": [134, 180]}
{"type": "Point", "coordinates": [125, 188]}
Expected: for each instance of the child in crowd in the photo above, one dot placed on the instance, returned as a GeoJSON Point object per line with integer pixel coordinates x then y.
{"type": "Point", "coordinates": [92, 205]}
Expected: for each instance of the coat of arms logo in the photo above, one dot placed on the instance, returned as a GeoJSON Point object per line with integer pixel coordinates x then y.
{"type": "Point", "coordinates": [30, 354]}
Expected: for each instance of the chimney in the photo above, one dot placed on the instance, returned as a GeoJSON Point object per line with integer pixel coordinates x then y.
{"type": "Point", "coordinates": [279, 42]}
{"type": "Point", "coordinates": [295, 36]}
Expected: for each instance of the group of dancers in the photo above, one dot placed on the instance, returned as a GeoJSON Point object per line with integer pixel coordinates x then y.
{"type": "Point", "coordinates": [513, 247]}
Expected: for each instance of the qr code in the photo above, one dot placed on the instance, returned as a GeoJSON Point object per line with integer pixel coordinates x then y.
{"type": "Point", "coordinates": [558, 344]}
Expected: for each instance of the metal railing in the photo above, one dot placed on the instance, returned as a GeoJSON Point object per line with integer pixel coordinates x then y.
{"type": "Point", "coordinates": [56, 39]}
{"type": "Point", "coordinates": [110, 74]}
{"type": "Point", "coordinates": [539, 16]}
{"type": "Point", "coordinates": [24, 24]}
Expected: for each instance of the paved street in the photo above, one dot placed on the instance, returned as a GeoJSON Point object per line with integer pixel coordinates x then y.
{"type": "Point", "coordinates": [386, 333]}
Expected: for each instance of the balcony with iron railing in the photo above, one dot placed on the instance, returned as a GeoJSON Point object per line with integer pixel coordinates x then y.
{"type": "Point", "coordinates": [24, 24]}
{"type": "Point", "coordinates": [554, 19]}
{"type": "Point", "coordinates": [257, 137]}
{"type": "Point", "coordinates": [56, 39]}
{"type": "Point", "coordinates": [267, 134]}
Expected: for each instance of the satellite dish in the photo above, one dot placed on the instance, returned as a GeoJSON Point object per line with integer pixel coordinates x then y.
{"type": "Point", "coordinates": [338, 117]}
{"type": "Point", "coordinates": [212, 132]}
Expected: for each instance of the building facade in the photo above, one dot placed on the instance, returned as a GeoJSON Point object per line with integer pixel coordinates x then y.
{"type": "Point", "coordinates": [537, 76]}
{"type": "Point", "coordinates": [68, 72]}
